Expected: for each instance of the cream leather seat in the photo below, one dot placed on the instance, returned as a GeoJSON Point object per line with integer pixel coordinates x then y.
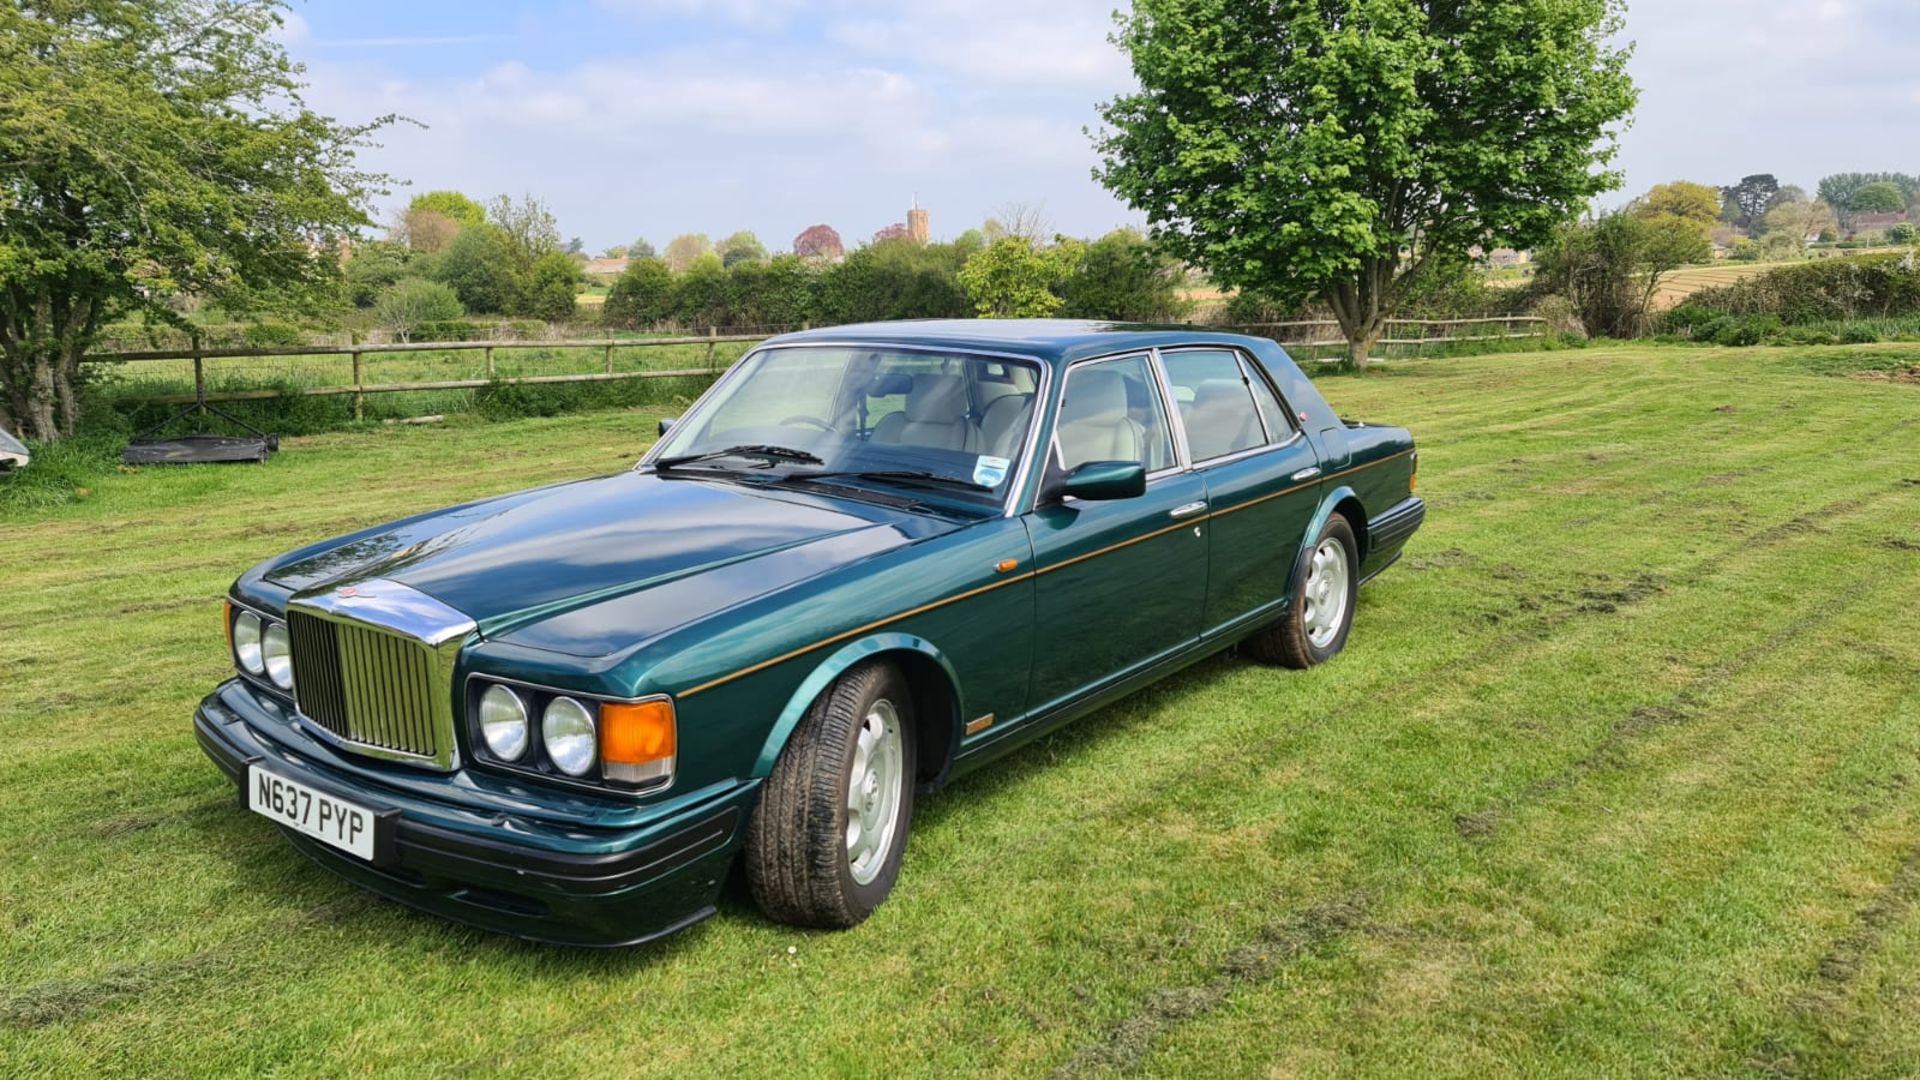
{"type": "Point", "coordinates": [935, 416]}
{"type": "Point", "coordinates": [1095, 424]}
{"type": "Point", "coordinates": [1003, 423]}
{"type": "Point", "coordinates": [1221, 420]}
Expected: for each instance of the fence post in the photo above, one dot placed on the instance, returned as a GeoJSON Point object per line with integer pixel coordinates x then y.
{"type": "Point", "coordinates": [712, 360]}
{"type": "Point", "coordinates": [199, 378]}
{"type": "Point", "coordinates": [609, 355]}
{"type": "Point", "coordinates": [359, 380]}
{"type": "Point", "coordinates": [489, 361]}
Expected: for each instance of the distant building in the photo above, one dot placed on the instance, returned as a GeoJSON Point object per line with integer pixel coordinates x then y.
{"type": "Point", "coordinates": [918, 224]}
{"type": "Point", "coordinates": [605, 267]}
{"type": "Point", "coordinates": [1501, 258]}
{"type": "Point", "coordinates": [1877, 222]}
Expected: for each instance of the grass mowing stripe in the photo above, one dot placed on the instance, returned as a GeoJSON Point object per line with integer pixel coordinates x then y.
{"type": "Point", "coordinates": [1609, 529]}
{"type": "Point", "coordinates": [1412, 930]}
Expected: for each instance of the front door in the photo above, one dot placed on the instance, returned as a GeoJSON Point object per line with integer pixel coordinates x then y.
{"type": "Point", "coordinates": [1119, 584]}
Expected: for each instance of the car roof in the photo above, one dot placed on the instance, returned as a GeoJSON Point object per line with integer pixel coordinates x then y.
{"type": "Point", "coordinates": [1057, 341]}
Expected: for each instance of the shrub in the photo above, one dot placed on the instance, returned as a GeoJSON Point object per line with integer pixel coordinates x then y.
{"type": "Point", "coordinates": [1611, 268]}
{"type": "Point", "coordinates": [1745, 332]}
{"type": "Point", "coordinates": [1014, 279]}
{"type": "Point", "coordinates": [642, 296]}
{"type": "Point", "coordinates": [274, 336]}
{"type": "Point", "coordinates": [409, 304]}
{"type": "Point", "coordinates": [1904, 233]}
{"type": "Point", "coordinates": [373, 267]}
{"type": "Point", "coordinates": [1686, 319]}
{"type": "Point", "coordinates": [480, 265]}
{"type": "Point", "coordinates": [1124, 276]}
{"type": "Point", "coordinates": [1859, 335]}
{"type": "Point", "coordinates": [1874, 286]}
{"type": "Point", "coordinates": [552, 288]}
{"type": "Point", "coordinates": [893, 280]}
{"type": "Point", "coordinates": [450, 330]}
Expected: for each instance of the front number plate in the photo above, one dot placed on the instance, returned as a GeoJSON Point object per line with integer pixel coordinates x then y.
{"type": "Point", "coordinates": [332, 821]}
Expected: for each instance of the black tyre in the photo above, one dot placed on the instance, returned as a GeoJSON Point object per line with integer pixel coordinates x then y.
{"type": "Point", "coordinates": [823, 847]}
{"type": "Point", "coordinates": [1326, 586]}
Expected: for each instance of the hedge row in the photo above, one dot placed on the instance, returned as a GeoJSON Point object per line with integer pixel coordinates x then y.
{"type": "Point", "coordinates": [1872, 287]}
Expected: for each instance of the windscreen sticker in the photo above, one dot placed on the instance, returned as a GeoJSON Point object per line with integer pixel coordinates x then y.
{"type": "Point", "coordinates": [990, 471]}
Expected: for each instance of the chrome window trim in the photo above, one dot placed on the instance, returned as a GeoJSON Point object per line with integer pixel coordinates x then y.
{"type": "Point", "coordinates": [1260, 371]}
{"type": "Point", "coordinates": [1010, 504]}
{"type": "Point", "coordinates": [1249, 369]}
{"type": "Point", "coordinates": [600, 787]}
{"type": "Point", "coordinates": [1176, 422]}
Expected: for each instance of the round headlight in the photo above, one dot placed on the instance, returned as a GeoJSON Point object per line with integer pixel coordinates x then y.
{"type": "Point", "coordinates": [503, 723]}
{"type": "Point", "coordinates": [246, 643]}
{"type": "Point", "coordinates": [567, 728]}
{"type": "Point", "coordinates": [276, 651]}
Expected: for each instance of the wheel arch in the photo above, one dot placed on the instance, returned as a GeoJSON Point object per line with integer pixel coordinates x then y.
{"type": "Point", "coordinates": [1342, 500]}
{"type": "Point", "coordinates": [930, 675]}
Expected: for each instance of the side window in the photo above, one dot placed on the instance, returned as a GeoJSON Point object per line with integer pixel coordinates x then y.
{"type": "Point", "coordinates": [1279, 424]}
{"type": "Point", "coordinates": [1216, 406]}
{"type": "Point", "coordinates": [1111, 411]}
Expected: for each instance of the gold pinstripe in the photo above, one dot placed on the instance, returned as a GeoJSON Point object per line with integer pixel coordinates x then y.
{"type": "Point", "coordinates": [1016, 579]}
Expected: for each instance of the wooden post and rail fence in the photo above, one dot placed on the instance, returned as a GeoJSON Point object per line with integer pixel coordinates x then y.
{"type": "Point", "coordinates": [1510, 328]}
{"type": "Point", "coordinates": [357, 353]}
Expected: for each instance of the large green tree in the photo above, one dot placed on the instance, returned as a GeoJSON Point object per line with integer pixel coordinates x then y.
{"type": "Point", "coordinates": [451, 205]}
{"type": "Point", "coordinates": [1339, 148]}
{"type": "Point", "coordinates": [1013, 278]}
{"type": "Point", "coordinates": [485, 268]}
{"type": "Point", "coordinates": [151, 149]}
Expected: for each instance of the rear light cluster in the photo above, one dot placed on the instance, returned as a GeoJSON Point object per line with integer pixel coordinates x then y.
{"type": "Point", "coordinates": [631, 744]}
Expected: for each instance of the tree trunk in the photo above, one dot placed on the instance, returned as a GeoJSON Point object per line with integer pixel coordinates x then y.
{"type": "Point", "coordinates": [1361, 307]}
{"type": "Point", "coordinates": [44, 334]}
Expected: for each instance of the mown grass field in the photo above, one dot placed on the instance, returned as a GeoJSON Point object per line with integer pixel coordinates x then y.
{"type": "Point", "coordinates": [1620, 776]}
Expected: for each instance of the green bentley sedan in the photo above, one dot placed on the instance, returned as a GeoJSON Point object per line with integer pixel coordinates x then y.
{"type": "Point", "coordinates": [867, 560]}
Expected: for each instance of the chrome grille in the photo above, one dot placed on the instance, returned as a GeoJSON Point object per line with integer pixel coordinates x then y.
{"type": "Point", "coordinates": [370, 687]}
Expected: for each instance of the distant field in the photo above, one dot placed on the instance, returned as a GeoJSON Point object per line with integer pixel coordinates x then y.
{"type": "Point", "coordinates": [1619, 777]}
{"type": "Point", "coordinates": [1681, 284]}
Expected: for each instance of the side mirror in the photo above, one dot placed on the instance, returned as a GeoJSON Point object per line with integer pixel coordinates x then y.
{"type": "Point", "coordinates": [666, 424]}
{"type": "Point", "coordinates": [1101, 481]}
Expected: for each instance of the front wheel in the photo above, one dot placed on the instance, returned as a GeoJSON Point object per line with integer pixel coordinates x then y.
{"type": "Point", "coordinates": [1320, 614]}
{"type": "Point", "coordinates": [823, 848]}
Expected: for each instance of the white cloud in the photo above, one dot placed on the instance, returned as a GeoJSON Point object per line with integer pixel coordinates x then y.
{"type": "Point", "coordinates": [762, 14]}
{"type": "Point", "coordinates": [996, 41]}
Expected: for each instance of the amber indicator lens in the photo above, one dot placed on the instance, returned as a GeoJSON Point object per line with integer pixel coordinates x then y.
{"type": "Point", "coordinates": [638, 741]}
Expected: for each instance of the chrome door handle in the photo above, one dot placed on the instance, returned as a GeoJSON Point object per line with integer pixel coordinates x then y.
{"type": "Point", "coordinates": [1180, 513]}
{"type": "Point", "coordinates": [1307, 473]}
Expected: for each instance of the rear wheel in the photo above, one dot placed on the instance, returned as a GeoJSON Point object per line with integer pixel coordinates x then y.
{"type": "Point", "coordinates": [823, 847]}
{"type": "Point", "coordinates": [1320, 614]}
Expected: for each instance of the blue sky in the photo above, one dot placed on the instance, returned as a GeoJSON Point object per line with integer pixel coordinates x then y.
{"type": "Point", "coordinates": [654, 117]}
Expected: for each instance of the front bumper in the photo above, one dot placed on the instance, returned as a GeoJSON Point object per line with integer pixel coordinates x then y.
{"type": "Point", "coordinates": [482, 858]}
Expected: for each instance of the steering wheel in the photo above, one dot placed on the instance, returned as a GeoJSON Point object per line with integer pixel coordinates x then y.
{"type": "Point", "coordinates": [813, 420]}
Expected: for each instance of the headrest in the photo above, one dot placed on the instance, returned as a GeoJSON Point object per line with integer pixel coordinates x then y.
{"type": "Point", "coordinates": [1221, 393]}
{"type": "Point", "coordinates": [1095, 394]}
{"type": "Point", "coordinates": [938, 399]}
{"type": "Point", "coordinates": [890, 384]}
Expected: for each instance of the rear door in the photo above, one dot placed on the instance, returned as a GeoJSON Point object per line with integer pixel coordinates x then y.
{"type": "Point", "coordinates": [1261, 478]}
{"type": "Point", "coordinates": [1118, 584]}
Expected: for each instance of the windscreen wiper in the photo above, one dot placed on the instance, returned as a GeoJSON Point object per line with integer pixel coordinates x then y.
{"type": "Point", "coordinates": [918, 477]}
{"type": "Point", "coordinates": [769, 453]}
